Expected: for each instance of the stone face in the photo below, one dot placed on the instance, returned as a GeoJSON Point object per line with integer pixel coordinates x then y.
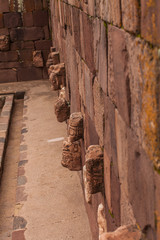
{"type": "Point", "coordinates": [4, 43]}
{"type": "Point", "coordinates": [12, 20]}
{"type": "Point", "coordinates": [37, 59]}
{"type": "Point", "coordinates": [57, 76]}
{"type": "Point", "coordinates": [130, 232]}
{"type": "Point", "coordinates": [71, 156]}
{"type": "Point", "coordinates": [29, 5]}
{"type": "Point", "coordinates": [94, 169]}
{"type": "Point", "coordinates": [75, 127]}
{"type": "Point", "coordinates": [62, 109]}
{"type": "Point", "coordinates": [55, 57]}
{"type": "Point", "coordinates": [131, 15]}
{"type": "Point", "coordinates": [1, 20]}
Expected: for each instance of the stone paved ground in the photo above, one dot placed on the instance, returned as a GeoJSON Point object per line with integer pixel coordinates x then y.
{"type": "Point", "coordinates": [49, 201]}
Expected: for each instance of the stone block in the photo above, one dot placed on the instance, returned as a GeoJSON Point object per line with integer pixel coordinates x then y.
{"type": "Point", "coordinates": [30, 73]}
{"type": "Point", "coordinates": [12, 20]}
{"type": "Point", "coordinates": [4, 43]}
{"type": "Point", "coordinates": [110, 11]}
{"type": "Point", "coordinates": [75, 129]}
{"type": "Point", "coordinates": [141, 188]}
{"type": "Point", "coordinates": [21, 45]}
{"type": "Point", "coordinates": [18, 235]}
{"type": "Point", "coordinates": [87, 42]}
{"type": "Point", "coordinates": [94, 169]}
{"type": "Point", "coordinates": [40, 18]}
{"type": "Point", "coordinates": [157, 203]}
{"type": "Point", "coordinates": [27, 19]}
{"type": "Point", "coordinates": [101, 52]}
{"type": "Point", "coordinates": [1, 20]}
{"type": "Point", "coordinates": [4, 31]}
{"type": "Point", "coordinates": [43, 44]}
{"type": "Point", "coordinates": [90, 133]}
{"type": "Point", "coordinates": [46, 32]}
{"type": "Point", "coordinates": [110, 160]}
{"type": "Point", "coordinates": [11, 56]}
{"type": "Point", "coordinates": [76, 29]}
{"type": "Point", "coordinates": [8, 75]}
{"type": "Point", "coordinates": [37, 59]}
{"type": "Point", "coordinates": [4, 6]}
{"type": "Point", "coordinates": [71, 156]}
{"type": "Point", "coordinates": [29, 5]}
{"type": "Point", "coordinates": [26, 34]}
{"type": "Point", "coordinates": [129, 232]}
{"type": "Point", "coordinates": [98, 99]}
{"type": "Point", "coordinates": [38, 4]}
{"type": "Point", "coordinates": [118, 75]}
{"type": "Point", "coordinates": [131, 15]}
{"type": "Point", "coordinates": [33, 33]}
{"type": "Point", "coordinates": [150, 21]}
{"type": "Point", "coordinates": [57, 76]}
{"type": "Point", "coordinates": [127, 215]}
{"type": "Point", "coordinates": [62, 109]}
{"type": "Point", "coordinates": [26, 55]}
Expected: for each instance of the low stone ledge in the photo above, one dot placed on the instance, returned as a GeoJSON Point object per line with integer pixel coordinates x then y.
{"type": "Point", "coordinates": [5, 116]}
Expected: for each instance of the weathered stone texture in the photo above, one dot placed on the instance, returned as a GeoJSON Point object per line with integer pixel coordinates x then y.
{"type": "Point", "coordinates": [37, 59]}
{"type": "Point", "coordinates": [75, 126]}
{"type": "Point", "coordinates": [4, 43]}
{"type": "Point", "coordinates": [94, 169]}
{"type": "Point", "coordinates": [57, 76]}
{"type": "Point", "coordinates": [12, 20]}
{"type": "Point", "coordinates": [131, 15]}
{"type": "Point", "coordinates": [150, 21]}
{"type": "Point", "coordinates": [71, 156]}
{"type": "Point", "coordinates": [62, 109]}
{"type": "Point", "coordinates": [129, 232]}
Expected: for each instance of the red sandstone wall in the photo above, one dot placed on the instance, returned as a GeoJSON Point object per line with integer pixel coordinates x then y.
{"type": "Point", "coordinates": [28, 30]}
{"type": "Point", "coordinates": [110, 49]}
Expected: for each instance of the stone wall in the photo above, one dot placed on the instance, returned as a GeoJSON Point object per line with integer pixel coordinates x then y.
{"type": "Point", "coordinates": [111, 53]}
{"type": "Point", "coordinates": [24, 28]}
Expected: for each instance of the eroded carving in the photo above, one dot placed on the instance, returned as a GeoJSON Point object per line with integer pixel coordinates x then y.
{"type": "Point", "coordinates": [4, 43]}
{"type": "Point", "coordinates": [75, 126]}
{"type": "Point", "coordinates": [102, 223]}
{"type": "Point", "coordinates": [58, 76]}
{"type": "Point", "coordinates": [62, 109]}
{"type": "Point", "coordinates": [94, 169]}
{"type": "Point", "coordinates": [71, 157]}
{"type": "Point", "coordinates": [130, 232]}
{"type": "Point", "coordinates": [37, 59]}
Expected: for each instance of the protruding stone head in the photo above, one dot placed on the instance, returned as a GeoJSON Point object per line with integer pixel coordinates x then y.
{"type": "Point", "coordinates": [71, 157]}
{"type": "Point", "coordinates": [75, 126]}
